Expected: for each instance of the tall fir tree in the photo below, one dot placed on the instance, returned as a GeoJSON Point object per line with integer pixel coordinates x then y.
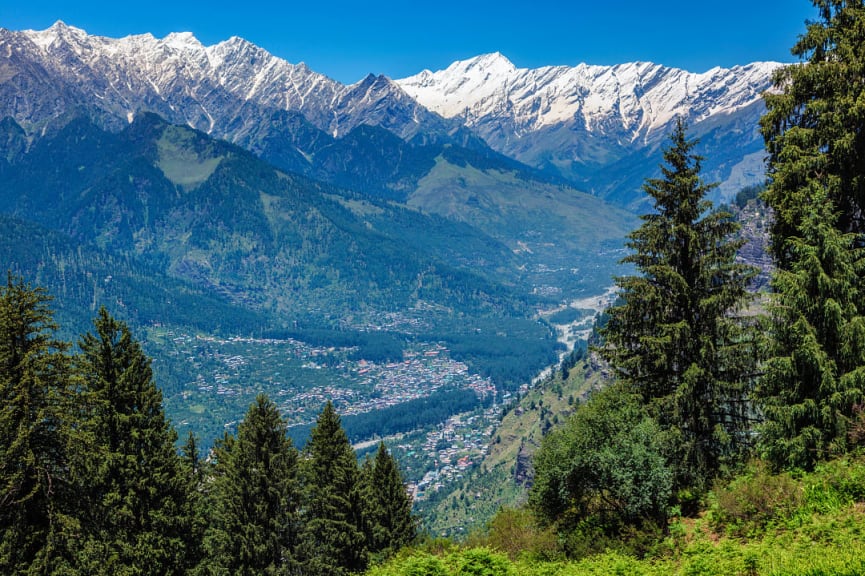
{"type": "Point", "coordinates": [814, 126]}
{"type": "Point", "coordinates": [37, 428]}
{"type": "Point", "coordinates": [334, 541]}
{"type": "Point", "coordinates": [676, 337]}
{"type": "Point", "coordinates": [391, 525]}
{"type": "Point", "coordinates": [814, 130]}
{"type": "Point", "coordinates": [816, 373]}
{"type": "Point", "coordinates": [194, 516]}
{"type": "Point", "coordinates": [254, 526]}
{"type": "Point", "coordinates": [137, 492]}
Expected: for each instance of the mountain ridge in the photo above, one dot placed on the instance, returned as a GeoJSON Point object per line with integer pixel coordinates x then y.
{"type": "Point", "coordinates": [575, 122]}
{"type": "Point", "coordinates": [579, 120]}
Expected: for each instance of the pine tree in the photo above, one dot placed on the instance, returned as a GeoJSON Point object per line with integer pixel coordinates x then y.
{"type": "Point", "coordinates": [137, 492]}
{"type": "Point", "coordinates": [388, 504]}
{"type": "Point", "coordinates": [36, 430]}
{"type": "Point", "coordinates": [334, 541]}
{"type": "Point", "coordinates": [816, 374]}
{"type": "Point", "coordinates": [254, 525]}
{"type": "Point", "coordinates": [194, 517]}
{"type": "Point", "coordinates": [814, 127]}
{"type": "Point", "coordinates": [675, 337]}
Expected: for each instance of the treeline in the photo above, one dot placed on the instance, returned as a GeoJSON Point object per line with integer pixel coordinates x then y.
{"type": "Point", "coordinates": [91, 481]}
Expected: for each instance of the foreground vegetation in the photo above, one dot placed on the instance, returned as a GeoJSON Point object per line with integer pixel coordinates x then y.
{"type": "Point", "coordinates": [758, 523]}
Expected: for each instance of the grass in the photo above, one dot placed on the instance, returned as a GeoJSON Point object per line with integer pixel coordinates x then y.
{"type": "Point", "coordinates": [182, 164]}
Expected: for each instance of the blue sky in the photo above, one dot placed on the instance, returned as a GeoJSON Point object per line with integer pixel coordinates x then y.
{"type": "Point", "coordinates": [346, 40]}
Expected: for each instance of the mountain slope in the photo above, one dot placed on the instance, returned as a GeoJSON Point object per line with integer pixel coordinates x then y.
{"type": "Point", "coordinates": [223, 89]}
{"type": "Point", "coordinates": [215, 215]}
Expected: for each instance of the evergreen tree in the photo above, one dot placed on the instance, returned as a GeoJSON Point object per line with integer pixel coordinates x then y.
{"type": "Point", "coordinates": [814, 130]}
{"type": "Point", "coordinates": [254, 524]}
{"type": "Point", "coordinates": [388, 505]}
{"type": "Point", "coordinates": [194, 518]}
{"type": "Point", "coordinates": [137, 492]}
{"type": "Point", "coordinates": [815, 124]}
{"type": "Point", "coordinates": [675, 336]}
{"type": "Point", "coordinates": [816, 374]}
{"type": "Point", "coordinates": [36, 486]}
{"type": "Point", "coordinates": [334, 539]}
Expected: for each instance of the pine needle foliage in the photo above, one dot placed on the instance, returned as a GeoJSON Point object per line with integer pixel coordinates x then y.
{"type": "Point", "coordinates": [334, 537]}
{"type": "Point", "coordinates": [816, 373]}
{"type": "Point", "coordinates": [390, 522]}
{"type": "Point", "coordinates": [37, 499]}
{"type": "Point", "coordinates": [814, 130]}
{"type": "Point", "coordinates": [677, 336]}
{"type": "Point", "coordinates": [136, 491]}
{"type": "Point", "coordinates": [255, 495]}
{"type": "Point", "coordinates": [814, 123]}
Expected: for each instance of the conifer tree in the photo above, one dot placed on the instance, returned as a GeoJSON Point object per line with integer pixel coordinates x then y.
{"type": "Point", "coordinates": [254, 524]}
{"type": "Point", "coordinates": [194, 517]}
{"type": "Point", "coordinates": [675, 337]}
{"type": "Point", "coordinates": [816, 373]}
{"type": "Point", "coordinates": [388, 505]}
{"type": "Point", "coordinates": [814, 130]}
{"type": "Point", "coordinates": [36, 408]}
{"type": "Point", "coordinates": [814, 127]}
{"type": "Point", "coordinates": [137, 492]}
{"type": "Point", "coordinates": [334, 541]}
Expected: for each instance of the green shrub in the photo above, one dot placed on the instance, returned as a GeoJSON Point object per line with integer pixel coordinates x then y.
{"type": "Point", "coordinates": [606, 464]}
{"type": "Point", "coordinates": [843, 477]}
{"type": "Point", "coordinates": [515, 532]}
{"type": "Point", "coordinates": [751, 501]}
{"type": "Point", "coordinates": [481, 562]}
{"type": "Point", "coordinates": [416, 564]}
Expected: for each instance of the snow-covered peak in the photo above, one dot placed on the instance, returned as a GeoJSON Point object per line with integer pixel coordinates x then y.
{"type": "Point", "coordinates": [59, 32]}
{"type": "Point", "coordinates": [494, 63]}
{"type": "Point", "coordinates": [183, 42]}
{"type": "Point", "coordinates": [636, 97]}
{"type": "Point", "coordinates": [448, 92]}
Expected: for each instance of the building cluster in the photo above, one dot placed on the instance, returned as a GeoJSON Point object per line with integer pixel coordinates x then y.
{"type": "Point", "coordinates": [454, 448]}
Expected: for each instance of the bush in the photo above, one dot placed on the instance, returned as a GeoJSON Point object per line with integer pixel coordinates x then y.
{"type": "Point", "coordinates": [416, 564]}
{"type": "Point", "coordinates": [751, 501]}
{"type": "Point", "coordinates": [481, 562]}
{"type": "Point", "coordinates": [515, 532]}
{"type": "Point", "coordinates": [835, 484]}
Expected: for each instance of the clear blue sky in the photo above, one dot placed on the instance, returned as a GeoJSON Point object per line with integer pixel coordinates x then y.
{"type": "Point", "coordinates": [348, 39]}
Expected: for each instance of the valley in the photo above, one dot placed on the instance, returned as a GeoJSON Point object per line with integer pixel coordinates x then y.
{"type": "Point", "coordinates": [421, 252]}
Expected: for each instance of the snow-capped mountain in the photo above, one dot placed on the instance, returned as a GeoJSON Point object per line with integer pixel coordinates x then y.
{"type": "Point", "coordinates": [222, 89]}
{"type": "Point", "coordinates": [598, 126]}
{"type": "Point", "coordinates": [582, 119]}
